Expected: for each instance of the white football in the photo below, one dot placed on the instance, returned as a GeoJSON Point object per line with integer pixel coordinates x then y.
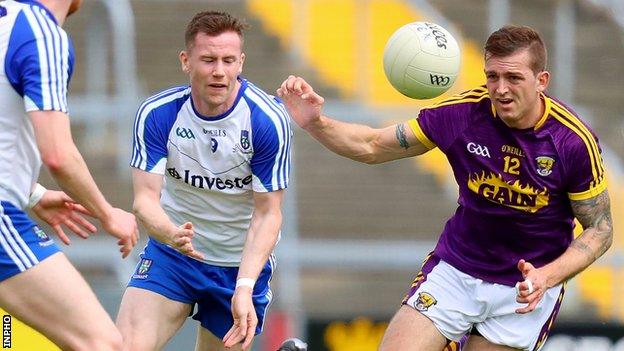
{"type": "Point", "coordinates": [421, 60]}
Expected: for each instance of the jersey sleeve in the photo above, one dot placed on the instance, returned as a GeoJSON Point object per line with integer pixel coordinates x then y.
{"type": "Point", "coordinates": [585, 167]}
{"type": "Point", "coordinates": [149, 152]}
{"type": "Point", "coordinates": [438, 126]}
{"type": "Point", "coordinates": [39, 61]}
{"type": "Point", "coordinates": [270, 163]}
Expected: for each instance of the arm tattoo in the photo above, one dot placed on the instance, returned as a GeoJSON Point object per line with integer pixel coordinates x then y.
{"type": "Point", "coordinates": [400, 135]}
{"type": "Point", "coordinates": [594, 214]}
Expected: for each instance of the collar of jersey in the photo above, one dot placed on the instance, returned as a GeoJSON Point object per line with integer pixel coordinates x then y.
{"type": "Point", "coordinates": [37, 3]}
{"type": "Point", "coordinates": [547, 107]}
{"type": "Point", "coordinates": [243, 86]}
{"type": "Point", "coordinates": [542, 120]}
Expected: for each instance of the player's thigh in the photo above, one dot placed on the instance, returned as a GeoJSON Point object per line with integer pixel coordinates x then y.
{"type": "Point", "coordinates": [410, 330]}
{"type": "Point", "coordinates": [147, 320]}
{"type": "Point", "coordinates": [53, 298]}
{"type": "Point", "coordinates": [479, 343]}
{"type": "Point", "coordinates": [206, 341]}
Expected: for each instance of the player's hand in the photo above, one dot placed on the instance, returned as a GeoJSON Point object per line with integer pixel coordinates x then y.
{"type": "Point", "coordinates": [532, 289]}
{"type": "Point", "coordinates": [56, 208]}
{"type": "Point", "coordinates": [123, 226]}
{"type": "Point", "coordinates": [182, 240]}
{"type": "Point", "coordinates": [245, 319]}
{"type": "Point", "coordinates": [303, 104]}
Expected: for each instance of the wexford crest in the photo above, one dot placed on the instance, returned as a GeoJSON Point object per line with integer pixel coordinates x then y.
{"type": "Point", "coordinates": [544, 165]}
{"type": "Point", "coordinates": [424, 301]}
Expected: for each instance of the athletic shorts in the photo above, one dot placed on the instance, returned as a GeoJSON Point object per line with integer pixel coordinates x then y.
{"type": "Point", "coordinates": [456, 303]}
{"type": "Point", "coordinates": [178, 277]}
{"type": "Point", "coordinates": [22, 243]}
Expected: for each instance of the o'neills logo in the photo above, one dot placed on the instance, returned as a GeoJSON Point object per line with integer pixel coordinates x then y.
{"type": "Point", "coordinates": [205, 182]}
{"type": "Point", "coordinates": [510, 194]}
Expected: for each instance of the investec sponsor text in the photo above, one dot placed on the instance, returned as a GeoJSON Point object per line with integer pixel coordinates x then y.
{"type": "Point", "coordinates": [207, 182]}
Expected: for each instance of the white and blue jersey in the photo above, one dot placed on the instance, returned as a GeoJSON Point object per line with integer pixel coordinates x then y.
{"type": "Point", "coordinates": [37, 59]}
{"type": "Point", "coordinates": [212, 166]}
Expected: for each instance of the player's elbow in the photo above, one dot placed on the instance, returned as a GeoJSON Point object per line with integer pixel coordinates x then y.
{"type": "Point", "coordinates": [608, 240]}
{"type": "Point", "coordinates": [370, 154]}
{"type": "Point", "coordinates": [138, 206]}
{"type": "Point", "coordinates": [604, 232]}
{"type": "Point", "coordinates": [143, 205]}
{"type": "Point", "coordinates": [55, 160]}
{"type": "Point", "coordinates": [367, 158]}
{"type": "Point", "coordinates": [60, 157]}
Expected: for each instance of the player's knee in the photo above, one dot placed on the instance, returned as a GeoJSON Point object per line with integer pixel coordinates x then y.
{"type": "Point", "coordinates": [103, 340]}
{"type": "Point", "coordinates": [111, 341]}
{"type": "Point", "coordinates": [115, 341]}
{"type": "Point", "coordinates": [139, 344]}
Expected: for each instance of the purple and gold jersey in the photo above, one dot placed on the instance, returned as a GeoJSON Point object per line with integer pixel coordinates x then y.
{"type": "Point", "coordinates": [515, 185]}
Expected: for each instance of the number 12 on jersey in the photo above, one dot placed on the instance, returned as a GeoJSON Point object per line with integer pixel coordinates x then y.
{"type": "Point", "coordinates": [511, 165]}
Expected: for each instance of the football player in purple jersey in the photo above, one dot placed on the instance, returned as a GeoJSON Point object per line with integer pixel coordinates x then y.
{"type": "Point", "coordinates": [526, 166]}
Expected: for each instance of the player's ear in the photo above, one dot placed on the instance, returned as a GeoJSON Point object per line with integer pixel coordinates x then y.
{"type": "Point", "coordinates": [543, 78]}
{"type": "Point", "coordinates": [74, 6]}
{"type": "Point", "coordinates": [183, 56]}
{"type": "Point", "coordinates": [242, 61]}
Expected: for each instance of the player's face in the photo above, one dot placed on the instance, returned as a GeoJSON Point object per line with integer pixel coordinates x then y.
{"type": "Point", "coordinates": [515, 89]}
{"type": "Point", "coordinates": [213, 64]}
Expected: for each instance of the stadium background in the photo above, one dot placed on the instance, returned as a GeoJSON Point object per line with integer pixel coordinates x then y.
{"type": "Point", "coordinates": [354, 235]}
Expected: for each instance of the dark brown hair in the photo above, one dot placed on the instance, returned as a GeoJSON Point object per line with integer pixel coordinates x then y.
{"type": "Point", "coordinates": [213, 23]}
{"type": "Point", "coordinates": [510, 39]}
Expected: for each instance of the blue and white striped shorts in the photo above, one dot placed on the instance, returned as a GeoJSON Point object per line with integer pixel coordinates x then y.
{"type": "Point", "coordinates": [177, 277]}
{"type": "Point", "coordinates": [22, 243]}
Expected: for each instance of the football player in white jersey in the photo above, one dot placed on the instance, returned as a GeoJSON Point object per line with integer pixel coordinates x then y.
{"type": "Point", "coordinates": [38, 285]}
{"type": "Point", "coordinates": [210, 165]}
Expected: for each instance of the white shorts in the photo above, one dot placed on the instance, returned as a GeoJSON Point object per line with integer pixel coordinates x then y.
{"type": "Point", "coordinates": [457, 302]}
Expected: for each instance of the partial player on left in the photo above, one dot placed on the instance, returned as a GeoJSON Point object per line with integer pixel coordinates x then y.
{"type": "Point", "coordinates": [38, 285]}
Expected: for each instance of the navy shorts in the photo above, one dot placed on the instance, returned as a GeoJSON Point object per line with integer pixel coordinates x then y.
{"type": "Point", "coordinates": [22, 243]}
{"type": "Point", "coordinates": [178, 277]}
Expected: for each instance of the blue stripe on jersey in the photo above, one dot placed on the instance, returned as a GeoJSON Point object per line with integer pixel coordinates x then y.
{"type": "Point", "coordinates": [136, 151]}
{"type": "Point", "coordinates": [279, 109]}
{"type": "Point", "coordinates": [19, 50]}
{"type": "Point", "coordinates": [61, 55]}
{"type": "Point", "coordinates": [38, 60]}
{"type": "Point", "coordinates": [53, 57]}
{"type": "Point", "coordinates": [153, 122]}
{"type": "Point", "coordinates": [289, 134]}
{"type": "Point", "coordinates": [266, 147]}
{"type": "Point", "coordinates": [271, 139]}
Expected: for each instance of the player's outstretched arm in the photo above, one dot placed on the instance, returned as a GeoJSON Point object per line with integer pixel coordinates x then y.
{"type": "Point", "coordinates": [357, 142]}
{"type": "Point", "coordinates": [147, 187]}
{"type": "Point", "coordinates": [60, 155]}
{"type": "Point", "coordinates": [594, 214]}
{"type": "Point", "coordinates": [261, 238]}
